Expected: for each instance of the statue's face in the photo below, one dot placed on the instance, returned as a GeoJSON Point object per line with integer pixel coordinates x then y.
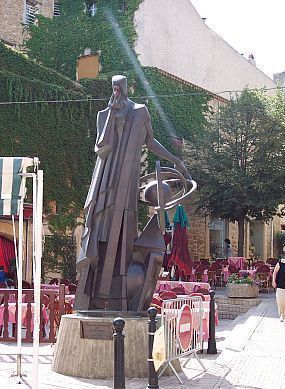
{"type": "Point", "coordinates": [117, 92]}
{"type": "Point", "coordinates": [120, 83]}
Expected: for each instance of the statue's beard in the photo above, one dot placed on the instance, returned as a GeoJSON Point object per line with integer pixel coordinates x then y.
{"type": "Point", "coordinates": [119, 104]}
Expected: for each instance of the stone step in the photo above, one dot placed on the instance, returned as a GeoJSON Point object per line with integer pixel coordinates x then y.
{"type": "Point", "coordinates": [234, 308]}
{"type": "Point", "coordinates": [237, 301]}
{"type": "Point", "coordinates": [231, 308]}
{"type": "Point", "coordinates": [228, 315]}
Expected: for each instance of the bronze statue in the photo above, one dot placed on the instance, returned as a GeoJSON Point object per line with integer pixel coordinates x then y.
{"type": "Point", "coordinates": [114, 262]}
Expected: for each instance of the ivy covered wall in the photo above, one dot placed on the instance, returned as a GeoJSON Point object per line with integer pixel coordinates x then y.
{"type": "Point", "coordinates": [58, 42]}
{"type": "Point", "coordinates": [58, 133]}
{"type": "Point", "coordinates": [62, 134]}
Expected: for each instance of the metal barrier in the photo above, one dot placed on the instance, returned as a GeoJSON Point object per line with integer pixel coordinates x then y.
{"type": "Point", "coordinates": [183, 332]}
{"type": "Point", "coordinates": [53, 307]}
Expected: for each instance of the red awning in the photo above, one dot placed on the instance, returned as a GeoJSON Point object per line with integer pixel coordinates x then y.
{"type": "Point", "coordinates": [7, 252]}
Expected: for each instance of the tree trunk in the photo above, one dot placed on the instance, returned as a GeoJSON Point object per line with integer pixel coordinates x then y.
{"type": "Point", "coordinates": [241, 237]}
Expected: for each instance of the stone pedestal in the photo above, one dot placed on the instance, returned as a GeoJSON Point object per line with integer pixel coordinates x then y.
{"type": "Point", "coordinates": [93, 358]}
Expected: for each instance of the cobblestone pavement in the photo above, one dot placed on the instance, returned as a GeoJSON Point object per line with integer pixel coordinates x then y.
{"type": "Point", "coordinates": [250, 355]}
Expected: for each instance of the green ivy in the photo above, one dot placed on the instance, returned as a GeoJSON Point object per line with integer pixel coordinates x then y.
{"type": "Point", "coordinates": [63, 135]}
{"type": "Point", "coordinates": [58, 42]}
{"type": "Point", "coordinates": [60, 256]}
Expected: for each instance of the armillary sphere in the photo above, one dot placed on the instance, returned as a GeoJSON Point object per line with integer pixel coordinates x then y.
{"type": "Point", "coordinates": [164, 189]}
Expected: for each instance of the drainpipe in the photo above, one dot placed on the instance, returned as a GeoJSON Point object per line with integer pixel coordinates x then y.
{"type": "Point", "coordinates": [272, 239]}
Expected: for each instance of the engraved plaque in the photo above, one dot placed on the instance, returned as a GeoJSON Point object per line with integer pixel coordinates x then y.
{"type": "Point", "coordinates": [93, 330]}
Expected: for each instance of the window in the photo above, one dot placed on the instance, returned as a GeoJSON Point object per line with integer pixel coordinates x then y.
{"type": "Point", "coordinates": [123, 6]}
{"type": "Point", "coordinates": [91, 9]}
{"type": "Point", "coordinates": [56, 9]}
{"type": "Point", "coordinates": [30, 13]}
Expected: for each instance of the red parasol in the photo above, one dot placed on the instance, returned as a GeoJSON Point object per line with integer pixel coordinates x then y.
{"type": "Point", "coordinates": [180, 256]}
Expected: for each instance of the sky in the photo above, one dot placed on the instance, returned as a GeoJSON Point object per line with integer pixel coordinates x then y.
{"type": "Point", "coordinates": [251, 27]}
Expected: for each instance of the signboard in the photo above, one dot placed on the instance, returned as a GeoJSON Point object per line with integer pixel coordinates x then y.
{"type": "Point", "coordinates": [184, 327]}
{"type": "Point", "coordinates": [95, 330]}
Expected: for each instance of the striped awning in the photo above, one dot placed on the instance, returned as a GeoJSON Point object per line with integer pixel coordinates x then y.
{"type": "Point", "coordinates": [12, 183]}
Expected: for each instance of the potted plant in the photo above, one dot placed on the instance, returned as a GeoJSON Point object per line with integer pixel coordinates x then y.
{"type": "Point", "coordinates": [242, 287]}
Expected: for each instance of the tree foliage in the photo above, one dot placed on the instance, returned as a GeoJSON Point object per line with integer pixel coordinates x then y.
{"type": "Point", "coordinates": [240, 164]}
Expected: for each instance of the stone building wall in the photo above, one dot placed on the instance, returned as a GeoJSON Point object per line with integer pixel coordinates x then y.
{"type": "Point", "coordinates": [197, 237]}
{"type": "Point", "coordinates": [233, 236]}
{"type": "Point", "coordinates": [12, 18]}
{"type": "Point", "coordinates": [190, 50]}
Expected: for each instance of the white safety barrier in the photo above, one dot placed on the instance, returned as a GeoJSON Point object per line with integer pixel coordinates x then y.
{"type": "Point", "coordinates": [183, 332]}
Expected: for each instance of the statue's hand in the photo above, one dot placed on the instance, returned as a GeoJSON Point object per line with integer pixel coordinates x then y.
{"type": "Point", "coordinates": [114, 104]}
{"type": "Point", "coordinates": [182, 169]}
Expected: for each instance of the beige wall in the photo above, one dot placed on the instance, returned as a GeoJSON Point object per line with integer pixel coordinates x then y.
{"type": "Point", "coordinates": [87, 66]}
{"type": "Point", "coordinates": [185, 46]}
{"type": "Point", "coordinates": [12, 17]}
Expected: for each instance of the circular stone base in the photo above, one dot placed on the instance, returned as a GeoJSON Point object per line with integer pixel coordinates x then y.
{"type": "Point", "coordinates": [94, 358]}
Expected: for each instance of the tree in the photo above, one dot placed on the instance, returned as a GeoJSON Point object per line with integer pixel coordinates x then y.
{"type": "Point", "coordinates": [240, 164]}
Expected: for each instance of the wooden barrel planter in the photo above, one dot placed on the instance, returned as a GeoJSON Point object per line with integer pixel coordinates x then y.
{"type": "Point", "coordinates": [242, 290]}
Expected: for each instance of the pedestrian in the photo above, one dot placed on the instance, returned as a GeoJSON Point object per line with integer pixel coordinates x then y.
{"type": "Point", "coordinates": [3, 276]}
{"type": "Point", "coordinates": [228, 249]}
{"type": "Point", "coordinates": [278, 282]}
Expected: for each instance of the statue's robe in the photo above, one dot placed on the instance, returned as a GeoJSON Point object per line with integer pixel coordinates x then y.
{"type": "Point", "coordinates": [111, 210]}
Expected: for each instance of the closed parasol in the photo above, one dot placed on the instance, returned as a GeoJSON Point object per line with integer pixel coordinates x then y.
{"type": "Point", "coordinates": [180, 257]}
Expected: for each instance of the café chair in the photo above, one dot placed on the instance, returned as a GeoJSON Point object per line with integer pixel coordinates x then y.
{"type": "Point", "coordinates": [54, 281]}
{"type": "Point", "coordinates": [203, 291]}
{"type": "Point", "coordinates": [233, 269]}
{"type": "Point", "coordinates": [168, 295]}
{"type": "Point", "coordinates": [178, 290]}
{"type": "Point", "coordinates": [198, 295]}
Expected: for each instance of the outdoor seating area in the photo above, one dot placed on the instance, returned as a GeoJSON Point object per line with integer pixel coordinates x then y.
{"type": "Point", "coordinates": [57, 299]}
{"type": "Point", "coordinates": [217, 272]}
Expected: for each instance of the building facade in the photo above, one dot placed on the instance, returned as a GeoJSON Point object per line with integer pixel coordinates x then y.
{"type": "Point", "coordinates": [185, 46]}
{"type": "Point", "coordinates": [190, 50]}
{"type": "Point", "coordinates": [15, 15]}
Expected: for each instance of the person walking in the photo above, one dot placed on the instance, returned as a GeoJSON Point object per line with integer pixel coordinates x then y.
{"type": "Point", "coordinates": [278, 282]}
{"type": "Point", "coordinates": [228, 249]}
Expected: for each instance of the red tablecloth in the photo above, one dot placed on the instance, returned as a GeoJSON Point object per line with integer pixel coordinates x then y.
{"type": "Point", "coordinates": [50, 287]}
{"type": "Point", "coordinates": [189, 287]}
{"type": "Point", "coordinates": [238, 262]}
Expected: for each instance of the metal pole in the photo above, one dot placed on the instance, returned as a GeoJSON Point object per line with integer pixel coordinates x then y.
{"type": "Point", "coordinates": [20, 292]}
{"type": "Point", "coordinates": [119, 353]}
{"type": "Point", "coordinates": [212, 348]}
{"type": "Point", "coordinates": [37, 276]}
{"type": "Point", "coordinates": [152, 374]}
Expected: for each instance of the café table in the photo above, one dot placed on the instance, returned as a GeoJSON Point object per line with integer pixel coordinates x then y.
{"type": "Point", "coordinates": [50, 287]}
{"type": "Point", "coordinates": [205, 277]}
{"type": "Point", "coordinates": [225, 274]}
{"type": "Point", "coordinates": [250, 272]}
{"type": "Point", "coordinates": [70, 298]}
{"type": "Point", "coordinates": [189, 287]}
{"type": "Point", "coordinates": [238, 262]}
